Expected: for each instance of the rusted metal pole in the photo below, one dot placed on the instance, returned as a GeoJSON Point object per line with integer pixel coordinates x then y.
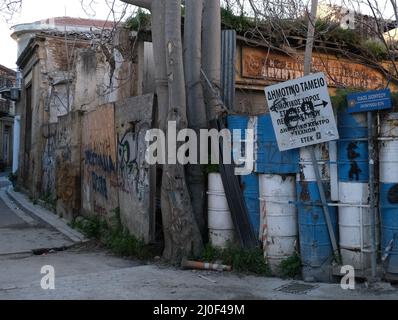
{"type": "Point", "coordinates": [372, 201]}
{"type": "Point", "coordinates": [307, 70]}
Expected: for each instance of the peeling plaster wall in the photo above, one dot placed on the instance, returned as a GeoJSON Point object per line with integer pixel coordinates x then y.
{"type": "Point", "coordinates": [97, 82]}
{"type": "Point", "coordinates": [49, 73]}
{"type": "Point", "coordinates": [90, 83]}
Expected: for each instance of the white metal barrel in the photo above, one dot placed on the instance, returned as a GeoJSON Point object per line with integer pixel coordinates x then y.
{"type": "Point", "coordinates": [278, 217]}
{"type": "Point", "coordinates": [307, 172]}
{"type": "Point", "coordinates": [221, 227]}
{"type": "Point", "coordinates": [353, 174]}
{"type": "Point", "coordinates": [354, 224]}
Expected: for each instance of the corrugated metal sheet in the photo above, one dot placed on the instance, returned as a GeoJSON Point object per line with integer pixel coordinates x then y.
{"type": "Point", "coordinates": [228, 57]}
{"type": "Point", "coordinates": [239, 212]}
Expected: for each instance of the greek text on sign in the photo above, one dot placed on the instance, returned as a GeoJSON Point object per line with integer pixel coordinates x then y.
{"type": "Point", "coordinates": [301, 112]}
{"type": "Point", "coordinates": [369, 101]}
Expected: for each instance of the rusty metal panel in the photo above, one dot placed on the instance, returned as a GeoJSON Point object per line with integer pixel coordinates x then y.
{"type": "Point", "coordinates": [262, 67]}
{"type": "Point", "coordinates": [99, 183]}
{"type": "Point", "coordinates": [67, 165]}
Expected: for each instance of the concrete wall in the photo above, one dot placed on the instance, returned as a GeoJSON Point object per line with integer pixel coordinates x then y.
{"type": "Point", "coordinates": [134, 117]}
{"type": "Point", "coordinates": [87, 148]}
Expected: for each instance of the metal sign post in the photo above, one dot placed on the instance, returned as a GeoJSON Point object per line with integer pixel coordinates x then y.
{"type": "Point", "coordinates": [372, 194]}
{"type": "Point", "coordinates": [324, 204]}
{"type": "Point", "coordinates": [302, 116]}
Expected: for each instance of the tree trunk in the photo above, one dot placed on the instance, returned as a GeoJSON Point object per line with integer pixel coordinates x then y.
{"type": "Point", "coordinates": [211, 56]}
{"type": "Point", "coordinates": [178, 218]}
{"type": "Point", "coordinates": [159, 54]}
{"type": "Point", "coordinates": [196, 109]}
{"type": "Point", "coordinates": [181, 233]}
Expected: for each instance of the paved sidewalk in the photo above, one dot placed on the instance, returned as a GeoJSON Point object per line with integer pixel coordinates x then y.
{"type": "Point", "coordinates": [22, 232]}
{"type": "Point", "coordinates": [45, 216]}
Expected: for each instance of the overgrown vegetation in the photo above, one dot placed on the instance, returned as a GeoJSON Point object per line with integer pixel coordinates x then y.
{"type": "Point", "coordinates": [339, 99]}
{"type": "Point", "coordinates": [13, 177]}
{"type": "Point", "coordinates": [375, 49]}
{"type": "Point", "coordinates": [140, 21]}
{"type": "Point", "coordinates": [114, 236]}
{"type": "Point", "coordinates": [327, 31]}
{"type": "Point", "coordinates": [239, 23]}
{"type": "Point", "coordinates": [290, 267]}
{"type": "Point", "coordinates": [49, 199]}
{"type": "Point", "coordinates": [241, 260]}
{"type": "Point", "coordinates": [210, 168]}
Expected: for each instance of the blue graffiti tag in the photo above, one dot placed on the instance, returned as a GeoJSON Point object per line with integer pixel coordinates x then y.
{"type": "Point", "coordinates": [103, 161]}
{"type": "Point", "coordinates": [99, 185]}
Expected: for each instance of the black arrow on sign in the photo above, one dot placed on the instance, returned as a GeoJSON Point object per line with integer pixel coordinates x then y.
{"type": "Point", "coordinates": [323, 103]}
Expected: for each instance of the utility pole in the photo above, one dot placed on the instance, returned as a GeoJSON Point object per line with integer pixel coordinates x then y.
{"type": "Point", "coordinates": [310, 37]}
{"type": "Point", "coordinates": [307, 70]}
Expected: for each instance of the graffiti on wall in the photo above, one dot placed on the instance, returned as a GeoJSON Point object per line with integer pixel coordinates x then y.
{"type": "Point", "coordinates": [99, 185]}
{"type": "Point", "coordinates": [133, 170]}
{"type": "Point", "coordinates": [99, 161]}
{"type": "Point", "coordinates": [103, 161]}
{"type": "Point", "coordinates": [48, 162]}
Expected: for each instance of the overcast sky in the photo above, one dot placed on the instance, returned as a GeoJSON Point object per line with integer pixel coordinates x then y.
{"type": "Point", "coordinates": [33, 10]}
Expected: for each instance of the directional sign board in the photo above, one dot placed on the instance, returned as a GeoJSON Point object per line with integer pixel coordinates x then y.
{"type": "Point", "coordinates": [301, 112]}
{"type": "Point", "coordinates": [369, 101]}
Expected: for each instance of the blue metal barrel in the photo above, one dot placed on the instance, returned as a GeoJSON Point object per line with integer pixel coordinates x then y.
{"type": "Point", "coordinates": [353, 158]}
{"type": "Point", "coordinates": [389, 216]}
{"type": "Point", "coordinates": [249, 183]}
{"type": "Point", "coordinates": [315, 245]}
{"type": "Point", "coordinates": [251, 194]}
{"type": "Point", "coordinates": [389, 193]}
{"type": "Point", "coordinates": [269, 160]}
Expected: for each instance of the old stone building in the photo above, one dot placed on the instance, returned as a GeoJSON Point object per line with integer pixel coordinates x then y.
{"type": "Point", "coordinates": [81, 145]}
{"type": "Point", "coordinates": [7, 110]}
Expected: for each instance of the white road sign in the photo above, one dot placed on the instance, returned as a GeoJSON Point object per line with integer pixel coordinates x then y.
{"type": "Point", "coordinates": [301, 112]}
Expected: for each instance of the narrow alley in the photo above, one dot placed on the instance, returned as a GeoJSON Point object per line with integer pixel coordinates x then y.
{"type": "Point", "coordinates": [86, 271]}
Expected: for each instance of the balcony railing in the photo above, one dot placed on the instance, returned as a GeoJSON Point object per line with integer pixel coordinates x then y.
{"type": "Point", "coordinates": [5, 107]}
